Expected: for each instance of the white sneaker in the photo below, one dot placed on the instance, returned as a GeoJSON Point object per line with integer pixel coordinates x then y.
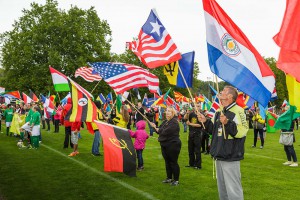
{"type": "Point", "coordinates": [288, 163]}
{"type": "Point", "coordinates": [294, 164]}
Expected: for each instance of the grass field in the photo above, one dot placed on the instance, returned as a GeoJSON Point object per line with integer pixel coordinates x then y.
{"type": "Point", "coordinates": [48, 173]}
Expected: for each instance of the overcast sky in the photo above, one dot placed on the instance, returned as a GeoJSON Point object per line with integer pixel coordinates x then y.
{"type": "Point", "coordinates": [260, 20]}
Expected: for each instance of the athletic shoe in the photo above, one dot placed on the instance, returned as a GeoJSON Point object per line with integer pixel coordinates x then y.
{"type": "Point", "coordinates": [167, 180]}
{"type": "Point", "coordinates": [72, 154]}
{"type": "Point", "coordinates": [253, 146]}
{"type": "Point", "coordinates": [288, 163]}
{"type": "Point", "coordinates": [294, 164]}
{"type": "Point", "coordinates": [174, 183]}
{"type": "Point", "coordinates": [76, 152]}
{"type": "Point", "coordinates": [197, 168]}
{"type": "Point", "coordinates": [261, 147]}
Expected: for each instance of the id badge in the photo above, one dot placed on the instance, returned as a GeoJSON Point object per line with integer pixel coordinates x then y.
{"type": "Point", "coordinates": [220, 131]}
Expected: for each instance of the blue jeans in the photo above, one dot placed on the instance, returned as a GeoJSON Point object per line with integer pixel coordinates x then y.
{"type": "Point", "coordinates": [151, 129]}
{"type": "Point", "coordinates": [139, 155]}
{"type": "Point", "coordinates": [290, 153]}
{"type": "Point", "coordinates": [96, 143]}
{"type": "Point", "coordinates": [184, 126]}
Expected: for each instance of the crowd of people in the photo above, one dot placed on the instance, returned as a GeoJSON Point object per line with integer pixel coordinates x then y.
{"type": "Point", "coordinates": [222, 137]}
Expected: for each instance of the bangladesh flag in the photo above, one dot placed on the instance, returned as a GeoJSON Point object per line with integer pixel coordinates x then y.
{"type": "Point", "coordinates": [271, 120]}
{"type": "Point", "coordinates": [119, 153]}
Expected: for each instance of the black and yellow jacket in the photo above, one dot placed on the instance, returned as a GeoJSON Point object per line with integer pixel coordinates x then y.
{"type": "Point", "coordinates": [228, 145]}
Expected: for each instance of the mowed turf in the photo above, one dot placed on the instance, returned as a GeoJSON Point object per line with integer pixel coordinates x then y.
{"type": "Point", "coordinates": [48, 173]}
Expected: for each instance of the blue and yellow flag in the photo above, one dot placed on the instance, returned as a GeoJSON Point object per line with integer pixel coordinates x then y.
{"type": "Point", "coordinates": [186, 64]}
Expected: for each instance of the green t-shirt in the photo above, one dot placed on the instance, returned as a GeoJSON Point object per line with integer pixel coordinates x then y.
{"type": "Point", "coordinates": [36, 118]}
{"type": "Point", "coordinates": [29, 115]}
{"type": "Point", "coordinates": [8, 114]}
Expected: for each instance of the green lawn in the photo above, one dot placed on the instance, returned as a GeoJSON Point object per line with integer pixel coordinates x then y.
{"type": "Point", "coordinates": [48, 173]}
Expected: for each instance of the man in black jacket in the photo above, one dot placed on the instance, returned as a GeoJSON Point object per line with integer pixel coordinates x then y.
{"type": "Point", "coordinates": [228, 137]}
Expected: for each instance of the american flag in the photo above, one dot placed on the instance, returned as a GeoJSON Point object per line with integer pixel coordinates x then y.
{"type": "Point", "coordinates": [122, 77]}
{"type": "Point", "coordinates": [87, 74]}
{"type": "Point", "coordinates": [154, 45]}
{"type": "Point", "coordinates": [214, 107]}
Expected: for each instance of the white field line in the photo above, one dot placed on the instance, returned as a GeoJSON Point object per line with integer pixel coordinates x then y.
{"type": "Point", "coordinates": [125, 185]}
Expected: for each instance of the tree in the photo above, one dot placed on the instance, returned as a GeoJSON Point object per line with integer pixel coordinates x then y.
{"type": "Point", "coordinates": [46, 35]}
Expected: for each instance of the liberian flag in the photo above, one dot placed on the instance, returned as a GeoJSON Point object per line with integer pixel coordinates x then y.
{"type": "Point", "coordinates": [155, 46]}
{"type": "Point", "coordinates": [233, 58]}
{"type": "Point", "coordinates": [119, 153]}
{"type": "Point", "coordinates": [60, 80]}
{"type": "Point", "coordinates": [26, 98]}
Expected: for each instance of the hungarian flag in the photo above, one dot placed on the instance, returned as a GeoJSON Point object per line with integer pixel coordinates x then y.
{"type": "Point", "coordinates": [60, 80]}
{"type": "Point", "coordinates": [119, 153]}
{"type": "Point", "coordinates": [271, 120]}
{"type": "Point", "coordinates": [26, 98]}
{"type": "Point", "coordinates": [33, 96]}
{"type": "Point", "coordinates": [83, 108]}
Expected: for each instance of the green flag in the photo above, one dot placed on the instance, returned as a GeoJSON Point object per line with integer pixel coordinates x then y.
{"type": "Point", "coordinates": [271, 120]}
{"type": "Point", "coordinates": [284, 121]}
{"type": "Point", "coordinates": [118, 103]}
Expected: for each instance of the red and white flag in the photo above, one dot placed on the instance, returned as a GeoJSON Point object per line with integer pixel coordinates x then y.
{"type": "Point", "coordinates": [26, 98]}
{"type": "Point", "coordinates": [87, 74]}
{"type": "Point", "coordinates": [154, 46]}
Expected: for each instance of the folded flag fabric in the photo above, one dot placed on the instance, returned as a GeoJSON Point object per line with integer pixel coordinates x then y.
{"type": "Point", "coordinates": [87, 74]}
{"type": "Point", "coordinates": [83, 108]}
{"type": "Point", "coordinates": [122, 77]}
{"type": "Point", "coordinates": [233, 58]}
{"type": "Point", "coordinates": [186, 65]}
{"type": "Point", "coordinates": [119, 153]}
{"type": "Point", "coordinates": [26, 98]}
{"type": "Point", "coordinates": [60, 80]}
{"type": "Point", "coordinates": [154, 46]}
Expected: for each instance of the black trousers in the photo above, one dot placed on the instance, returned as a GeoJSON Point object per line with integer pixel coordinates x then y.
{"type": "Point", "coordinates": [170, 151]}
{"type": "Point", "coordinates": [194, 145]}
{"type": "Point", "coordinates": [68, 137]}
{"type": "Point", "coordinates": [204, 142]}
{"type": "Point", "coordinates": [261, 135]}
{"type": "Point", "coordinates": [56, 125]}
{"type": "Point", "coordinates": [48, 124]}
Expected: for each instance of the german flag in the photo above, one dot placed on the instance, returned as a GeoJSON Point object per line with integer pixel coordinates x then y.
{"type": "Point", "coordinates": [119, 153]}
{"type": "Point", "coordinates": [33, 96]}
{"type": "Point", "coordinates": [83, 108]}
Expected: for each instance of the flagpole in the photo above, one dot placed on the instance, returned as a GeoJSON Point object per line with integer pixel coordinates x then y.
{"type": "Point", "coordinates": [95, 87]}
{"type": "Point", "coordinates": [221, 106]}
{"type": "Point", "coordinates": [193, 100]}
{"type": "Point", "coordinates": [137, 110]}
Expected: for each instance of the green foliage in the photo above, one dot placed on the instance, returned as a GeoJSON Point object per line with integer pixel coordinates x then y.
{"type": "Point", "coordinates": [281, 88]}
{"type": "Point", "coordinates": [46, 35]}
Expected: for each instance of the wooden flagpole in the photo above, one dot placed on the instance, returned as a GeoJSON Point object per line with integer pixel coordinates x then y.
{"type": "Point", "coordinates": [95, 87]}
{"type": "Point", "coordinates": [193, 100]}
{"type": "Point", "coordinates": [221, 106]}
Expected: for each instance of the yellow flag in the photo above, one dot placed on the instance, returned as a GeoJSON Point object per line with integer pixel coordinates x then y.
{"type": "Point", "coordinates": [171, 71]}
{"type": "Point", "coordinates": [293, 87]}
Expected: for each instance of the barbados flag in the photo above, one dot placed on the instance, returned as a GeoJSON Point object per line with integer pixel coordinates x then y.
{"type": "Point", "coordinates": [233, 58]}
{"type": "Point", "coordinates": [186, 64]}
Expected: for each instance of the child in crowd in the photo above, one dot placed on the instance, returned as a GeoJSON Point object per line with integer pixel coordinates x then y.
{"type": "Point", "coordinates": [75, 128]}
{"type": "Point", "coordinates": [35, 125]}
{"type": "Point", "coordinates": [140, 136]}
